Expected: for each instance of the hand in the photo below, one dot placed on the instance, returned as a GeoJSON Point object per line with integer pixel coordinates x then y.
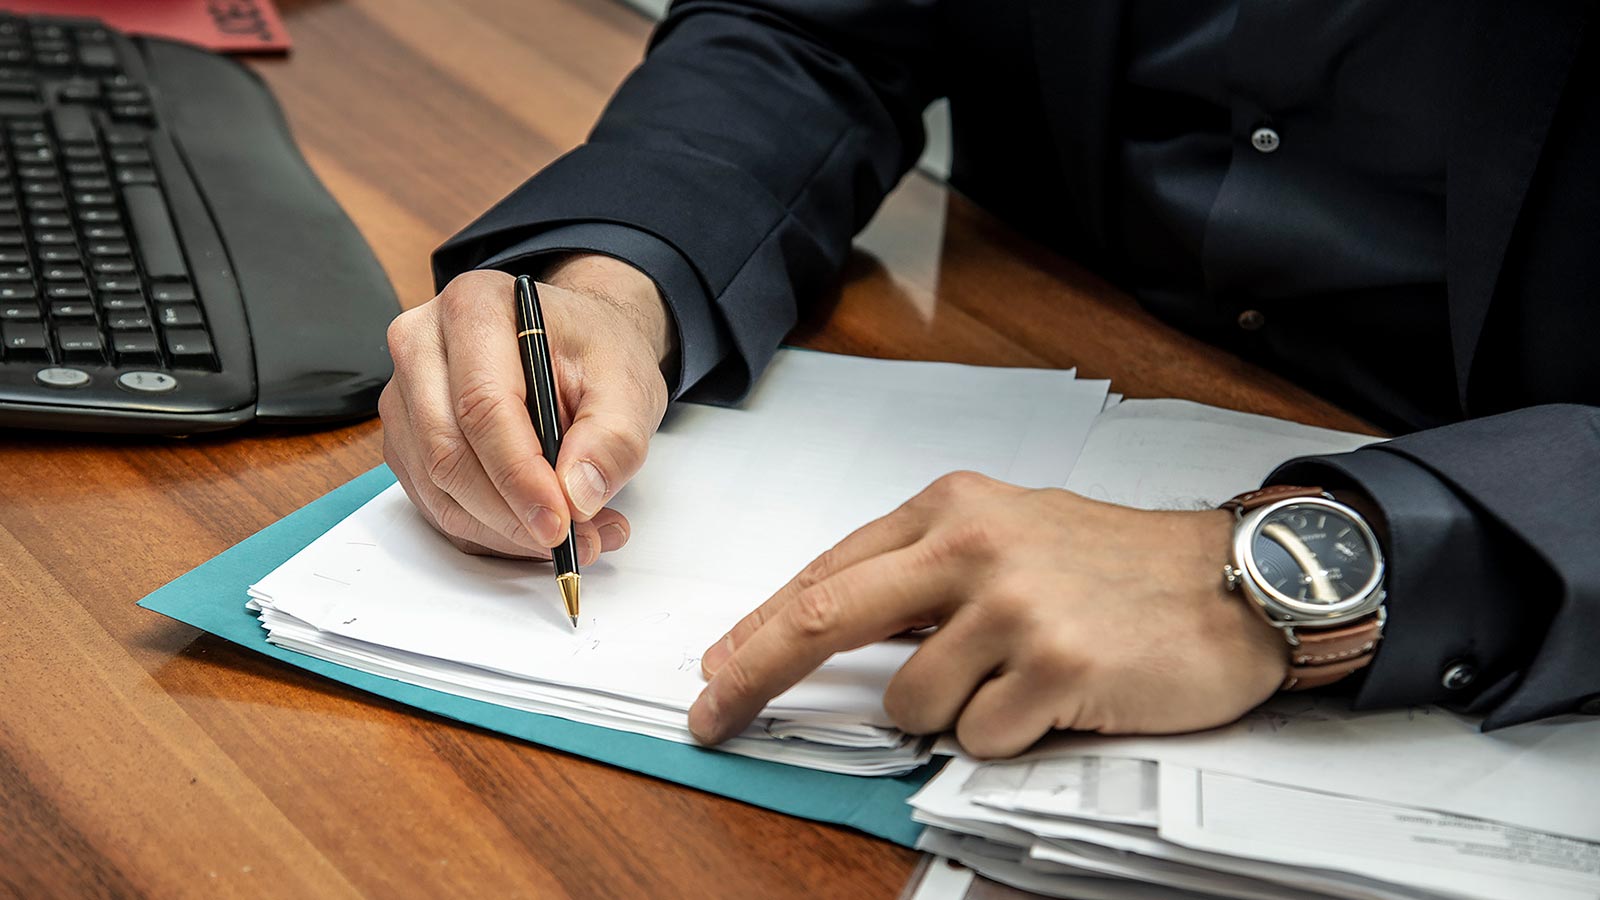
{"type": "Point", "coordinates": [1053, 612]}
{"type": "Point", "coordinates": [456, 427]}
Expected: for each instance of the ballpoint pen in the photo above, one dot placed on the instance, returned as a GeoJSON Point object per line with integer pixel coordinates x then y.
{"type": "Point", "coordinates": [540, 377]}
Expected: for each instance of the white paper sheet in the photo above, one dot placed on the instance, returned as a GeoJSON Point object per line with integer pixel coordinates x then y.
{"type": "Point", "coordinates": [729, 505]}
{"type": "Point", "coordinates": [1448, 854]}
{"type": "Point", "coordinates": [1543, 775]}
{"type": "Point", "coordinates": [1174, 454]}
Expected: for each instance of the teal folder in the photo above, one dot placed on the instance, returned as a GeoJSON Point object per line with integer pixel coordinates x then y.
{"type": "Point", "coordinates": [212, 598]}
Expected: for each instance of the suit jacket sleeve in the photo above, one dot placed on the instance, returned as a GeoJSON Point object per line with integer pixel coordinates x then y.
{"type": "Point", "coordinates": [755, 139]}
{"type": "Point", "coordinates": [1494, 564]}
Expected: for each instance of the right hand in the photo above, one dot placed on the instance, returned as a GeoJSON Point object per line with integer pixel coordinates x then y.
{"type": "Point", "coordinates": [456, 427]}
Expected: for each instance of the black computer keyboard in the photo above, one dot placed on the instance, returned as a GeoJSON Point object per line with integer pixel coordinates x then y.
{"type": "Point", "coordinates": [168, 263]}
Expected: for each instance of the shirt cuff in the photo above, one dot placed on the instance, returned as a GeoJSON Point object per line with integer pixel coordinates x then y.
{"type": "Point", "coordinates": [1450, 638]}
{"type": "Point", "coordinates": [702, 338]}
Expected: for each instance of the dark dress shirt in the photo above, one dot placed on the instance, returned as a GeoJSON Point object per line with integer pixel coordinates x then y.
{"type": "Point", "coordinates": [1423, 160]}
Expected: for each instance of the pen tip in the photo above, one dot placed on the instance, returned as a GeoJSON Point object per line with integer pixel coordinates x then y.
{"type": "Point", "coordinates": [569, 594]}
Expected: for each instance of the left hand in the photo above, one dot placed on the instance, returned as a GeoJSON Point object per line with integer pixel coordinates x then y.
{"type": "Point", "coordinates": [1053, 612]}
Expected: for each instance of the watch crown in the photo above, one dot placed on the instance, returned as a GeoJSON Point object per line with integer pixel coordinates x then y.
{"type": "Point", "coordinates": [1231, 576]}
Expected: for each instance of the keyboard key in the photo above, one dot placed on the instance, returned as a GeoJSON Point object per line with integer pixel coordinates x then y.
{"type": "Point", "coordinates": [50, 220]}
{"type": "Point", "coordinates": [12, 257]}
{"type": "Point", "coordinates": [73, 124]}
{"type": "Point", "coordinates": [54, 238]}
{"type": "Point", "coordinates": [97, 56]}
{"type": "Point", "coordinates": [128, 321]}
{"type": "Point", "coordinates": [16, 273]}
{"type": "Point", "coordinates": [47, 204]}
{"type": "Point", "coordinates": [91, 183]}
{"type": "Point", "coordinates": [24, 337]}
{"type": "Point", "coordinates": [127, 96]}
{"type": "Point", "coordinates": [86, 166]}
{"type": "Point", "coordinates": [59, 255]}
{"type": "Point", "coordinates": [32, 154]}
{"type": "Point", "coordinates": [79, 341]}
{"type": "Point", "coordinates": [191, 346]}
{"type": "Point", "coordinates": [81, 153]}
{"type": "Point", "coordinates": [124, 137]}
{"type": "Point", "coordinates": [172, 293]}
{"type": "Point", "coordinates": [63, 273]}
{"type": "Point", "coordinates": [101, 216]}
{"type": "Point", "coordinates": [179, 315]}
{"type": "Point", "coordinates": [104, 233]}
{"type": "Point", "coordinates": [113, 266]}
{"type": "Point", "coordinates": [109, 248]}
{"type": "Point", "coordinates": [130, 156]}
{"type": "Point", "coordinates": [18, 291]}
{"type": "Point", "coordinates": [71, 309]}
{"type": "Point", "coordinates": [134, 343]}
{"type": "Point", "coordinates": [116, 285]}
{"type": "Point", "coordinates": [152, 226]}
{"type": "Point", "coordinates": [93, 198]}
{"type": "Point", "coordinates": [19, 312]}
{"type": "Point", "coordinates": [121, 302]}
{"type": "Point", "coordinates": [136, 176]}
{"type": "Point", "coordinates": [11, 239]}
{"type": "Point", "coordinates": [79, 92]}
{"type": "Point", "coordinates": [79, 291]}
{"type": "Point", "coordinates": [132, 112]}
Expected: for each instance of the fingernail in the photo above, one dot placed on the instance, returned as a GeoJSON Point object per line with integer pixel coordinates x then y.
{"type": "Point", "coordinates": [546, 526]}
{"type": "Point", "coordinates": [703, 718]}
{"type": "Point", "coordinates": [586, 487]}
{"type": "Point", "coordinates": [613, 536]}
{"type": "Point", "coordinates": [716, 655]}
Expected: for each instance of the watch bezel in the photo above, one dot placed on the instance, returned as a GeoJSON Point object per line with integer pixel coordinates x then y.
{"type": "Point", "coordinates": [1283, 609]}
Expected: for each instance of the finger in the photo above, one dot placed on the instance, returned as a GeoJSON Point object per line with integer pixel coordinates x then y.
{"type": "Point", "coordinates": [871, 600]}
{"type": "Point", "coordinates": [1006, 716]}
{"type": "Point", "coordinates": [473, 537]}
{"type": "Point", "coordinates": [613, 528]}
{"type": "Point", "coordinates": [487, 398]}
{"type": "Point", "coordinates": [929, 691]}
{"type": "Point", "coordinates": [617, 411]}
{"type": "Point", "coordinates": [894, 531]}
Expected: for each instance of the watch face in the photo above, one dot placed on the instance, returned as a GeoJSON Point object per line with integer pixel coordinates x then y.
{"type": "Point", "coordinates": [1312, 555]}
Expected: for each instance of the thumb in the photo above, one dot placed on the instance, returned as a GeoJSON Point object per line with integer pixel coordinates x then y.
{"type": "Point", "coordinates": [606, 443]}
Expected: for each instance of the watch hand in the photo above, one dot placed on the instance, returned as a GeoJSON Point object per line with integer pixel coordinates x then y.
{"type": "Point", "coordinates": [1321, 587]}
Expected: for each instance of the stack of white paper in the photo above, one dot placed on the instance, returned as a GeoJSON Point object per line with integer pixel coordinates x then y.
{"type": "Point", "coordinates": [731, 503]}
{"type": "Point", "coordinates": [1300, 799]}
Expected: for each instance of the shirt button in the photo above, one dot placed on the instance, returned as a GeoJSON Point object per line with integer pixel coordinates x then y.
{"type": "Point", "coordinates": [1264, 139]}
{"type": "Point", "coordinates": [1591, 706]}
{"type": "Point", "coordinates": [1252, 320]}
{"type": "Point", "coordinates": [1459, 675]}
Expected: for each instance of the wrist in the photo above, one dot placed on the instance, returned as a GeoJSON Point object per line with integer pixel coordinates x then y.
{"type": "Point", "coordinates": [631, 291]}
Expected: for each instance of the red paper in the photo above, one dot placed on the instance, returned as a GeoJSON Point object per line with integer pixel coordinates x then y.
{"type": "Point", "coordinates": [229, 26]}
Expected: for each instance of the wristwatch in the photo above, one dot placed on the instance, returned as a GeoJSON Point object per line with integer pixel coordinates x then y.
{"type": "Point", "coordinates": [1314, 569]}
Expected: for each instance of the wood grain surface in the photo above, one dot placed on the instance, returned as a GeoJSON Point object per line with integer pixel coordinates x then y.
{"type": "Point", "coordinates": [139, 757]}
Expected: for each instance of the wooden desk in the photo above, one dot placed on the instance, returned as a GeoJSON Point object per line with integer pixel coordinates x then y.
{"type": "Point", "coordinates": [140, 757]}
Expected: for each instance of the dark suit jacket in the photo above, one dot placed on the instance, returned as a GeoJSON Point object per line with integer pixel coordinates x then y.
{"type": "Point", "coordinates": [759, 136]}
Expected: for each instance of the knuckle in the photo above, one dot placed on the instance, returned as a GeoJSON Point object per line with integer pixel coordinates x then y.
{"type": "Point", "coordinates": [816, 610]}
{"type": "Point", "coordinates": [1008, 610]}
{"type": "Point", "coordinates": [478, 402]}
{"type": "Point", "coordinates": [444, 460]}
{"type": "Point", "coordinates": [902, 703]}
{"type": "Point", "coordinates": [735, 677]}
{"type": "Point", "coordinates": [968, 538]}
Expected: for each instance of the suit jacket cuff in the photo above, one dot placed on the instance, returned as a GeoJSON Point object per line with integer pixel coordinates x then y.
{"type": "Point", "coordinates": [702, 340]}
{"type": "Point", "coordinates": [717, 217]}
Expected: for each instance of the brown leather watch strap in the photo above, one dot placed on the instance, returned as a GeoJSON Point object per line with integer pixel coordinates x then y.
{"type": "Point", "coordinates": [1326, 655]}
{"type": "Point", "coordinates": [1269, 494]}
